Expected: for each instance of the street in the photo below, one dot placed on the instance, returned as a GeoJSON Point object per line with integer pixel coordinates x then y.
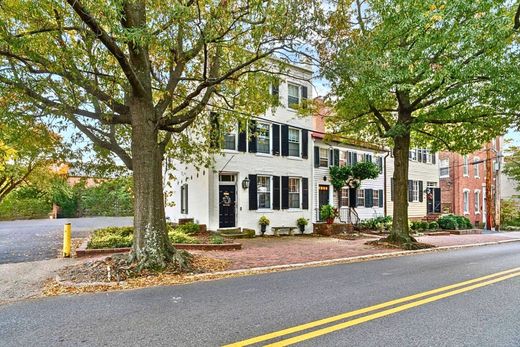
{"type": "Point", "coordinates": [478, 312]}
{"type": "Point", "coordinates": [39, 239]}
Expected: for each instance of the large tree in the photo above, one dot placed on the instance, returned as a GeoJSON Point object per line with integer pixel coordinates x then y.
{"type": "Point", "coordinates": [137, 77]}
{"type": "Point", "coordinates": [441, 74]}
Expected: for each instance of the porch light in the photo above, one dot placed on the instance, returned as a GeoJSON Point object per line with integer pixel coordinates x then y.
{"type": "Point", "coordinates": [245, 183]}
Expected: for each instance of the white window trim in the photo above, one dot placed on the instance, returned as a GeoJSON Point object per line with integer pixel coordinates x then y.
{"type": "Point", "coordinates": [476, 166]}
{"type": "Point", "coordinates": [444, 167]}
{"type": "Point", "coordinates": [299, 95]}
{"type": "Point", "coordinates": [263, 209]}
{"type": "Point", "coordinates": [357, 197]}
{"type": "Point", "coordinates": [477, 211]}
{"type": "Point", "coordinates": [464, 191]}
{"type": "Point", "coordinates": [270, 150]}
{"type": "Point", "coordinates": [300, 195]}
{"type": "Point", "coordinates": [234, 132]}
{"type": "Point", "coordinates": [415, 191]}
{"type": "Point", "coordinates": [320, 157]}
{"type": "Point", "coordinates": [299, 156]}
{"type": "Point", "coordinates": [465, 166]}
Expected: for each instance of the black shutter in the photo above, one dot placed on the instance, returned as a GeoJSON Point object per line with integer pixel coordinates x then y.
{"type": "Point", "coordinates": [316, 156]}
{"type": "Point", "coordinates": [331, 157]}
{"type": "Point", "coordinates": [253, 199]}
{"type": "Point", "coordinates": [369, 197]}
{"type": "Point", "coordinates": [242, 138]}
{"type": "Point", "coordinates": [214, 136]}
{"type": "Point", "coordinates": [339, 196]}
{"type": "Point", "coordinates": [304, 96]}
{"type": "Point", "coordinates": [252, 136]}
{"type": "Point", "coordinates": [336, 157]}
{"type": "Point", "coordinates": [433, 158]}
{"type": "Point", "coordinates": [305, 144]}
{"type": "Point", "coordinates": [285, 140]}
{"type": "Point", "coordinates": [352, 196]}
{"type": "Point", "coordinates": [381, 198]}
{"type": "Point", "coordinates": [276, 139]}
{"type": "Point", "coordinates": [276, 192]}
{"type": "Point", "coordinates": [420, 191]}
{"type": "Point", "coordinates": [437, 200]}
{"type": "Point", "coordinates": [285, 192]}
{"type": "Point", "coordinates": [391, 189]}
{"type": "Point", "coordinates": [305, 193]}
{"type": "Point", "coordinates": [354, 158]}
{"type": "Point", "coordinates": [275, 88]}
{"type": "Point", "coordinates": [410, 190]}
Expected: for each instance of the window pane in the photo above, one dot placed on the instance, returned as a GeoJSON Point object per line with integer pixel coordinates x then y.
{"type": "Point", "coordinates": [324, 157]}
{"type": "Point", "coordinates": [294, 142]}
{"type": "Point", "coordinates": [293, 98]}
{"type": "Point", "coordinates": [264, 192]}
{"type": "Point", "coordinates": [263, 133]}
{"type": "Point", "coordinates": [228, 142]}
{"type": "Point", "coordinates": [344, 197]}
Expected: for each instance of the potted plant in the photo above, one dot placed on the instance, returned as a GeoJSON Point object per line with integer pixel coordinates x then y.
{"type": "Point", "coordinates": [264, 222]}
{"type": "Point", "coordinates": [328, 213]}
{"type": "Point", "coordinates": [302, 222]}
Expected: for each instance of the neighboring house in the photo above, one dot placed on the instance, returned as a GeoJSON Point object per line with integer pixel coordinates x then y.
{"type": "Point", "coordinates": [463, 181]}
{"type": "Point", "coordinates": [264, 169]}
{"type": "Point", "coordinates": [424, 195]}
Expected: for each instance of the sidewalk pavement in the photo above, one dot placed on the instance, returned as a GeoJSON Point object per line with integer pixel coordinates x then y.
{"type": "Point", "coordinates": [25, 280]}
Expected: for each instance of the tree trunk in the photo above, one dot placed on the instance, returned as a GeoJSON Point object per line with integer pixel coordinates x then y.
{"type": "Point", "coordinates": [400, 230]}
{"type": "Point", "coordinates": [151, 247]}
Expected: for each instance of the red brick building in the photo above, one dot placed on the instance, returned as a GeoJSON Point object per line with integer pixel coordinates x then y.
{"type": "Point", "coordinates": [463, 181]}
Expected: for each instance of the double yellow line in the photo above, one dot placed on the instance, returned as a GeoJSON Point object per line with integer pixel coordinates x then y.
{"type": "Point", "coordinates": [446, 291]}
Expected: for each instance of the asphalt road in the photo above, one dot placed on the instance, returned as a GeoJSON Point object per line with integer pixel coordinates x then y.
{"type": "Point", "coordinates": [30, 240]}
{"type": "Point", "coordinates": [229, 310]}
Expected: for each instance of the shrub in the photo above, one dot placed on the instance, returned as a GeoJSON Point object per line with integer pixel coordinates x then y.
{"type": "Point", "coordinates": [302, 221]}
{"type": "Point", "coordinates": [424, 225]}
{"type": "Point", "coordinates": [216, 240]}
{"type": "Point", "coordinates": [178, 236]}
{"type": "Point", "coordinates": [112, 237]}
{"type": "Point", "coordinates": [415, 225]}
{"type": "Point", "coordinates": [510, 212]}
{"type": "Point", "coordinates": [328, 212]}
{"type": "Point", "coordinates": [14, 207]}
{"type": "Point", "coordinates": [433, 226]}
{"type": "Point", "coordinates": [264, 220]}
{"type": "Point", "coordinates": [448, 222]}
{"type": "Point", "coordinates": [189, 228]}
{"type": "Point", "coordinates": [463, 222]}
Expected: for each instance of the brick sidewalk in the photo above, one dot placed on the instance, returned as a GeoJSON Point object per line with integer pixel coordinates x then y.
{"type": "Point", "coordinates": [293, 249]}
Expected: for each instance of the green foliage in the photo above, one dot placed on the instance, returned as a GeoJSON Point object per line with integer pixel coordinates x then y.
{"type": "Point", "coordinates": [177, 236]}
{"type": "Point", "coordinates": [109, 198]}
{"type": "Point", "coordinates": [424, 225]}
{"type": "Point", "coordinates": [264, 220]}
{"type": "Point", "coordinates": [433, 226]}
{"type": "Point", "coordinates": [328, 212]}
{"type": "Point", "coordinates": [378, 223]}
{"type": "Point", "coordinates": [302, 221]}
{"type": "Point", "coordinates": [510, 212]}
{"type": "Point", "coordinates": [342, 176]}
{"type": "Point", "coordinates": [111, 237]}
{"type": "Point", "coordinates": [453, 222]}
{"type": "Point", "coordinates": [216, 239]}
{"type": "Point", "coordinates": [26, 207]}
{"type": "Point", "coordinates": [189, 228]}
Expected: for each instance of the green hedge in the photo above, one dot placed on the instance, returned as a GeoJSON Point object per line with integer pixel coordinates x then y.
{"type": "Point", "coordinates": [13, 207]}
{"type": "Point", "coordinates": [453, 222]}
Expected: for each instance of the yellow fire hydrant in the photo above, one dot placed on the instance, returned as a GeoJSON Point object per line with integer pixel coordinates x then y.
{"type": "Point", "coordinates": [66, 240]}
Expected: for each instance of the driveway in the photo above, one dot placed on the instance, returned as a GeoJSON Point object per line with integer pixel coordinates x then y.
{"type": "Point", "coordinates": [30, 240]}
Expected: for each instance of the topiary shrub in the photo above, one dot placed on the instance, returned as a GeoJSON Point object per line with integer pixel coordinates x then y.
{"type": "Point", "coordinates": [448, 222]}
{"type": "Point", "coordinates": [424, 225]}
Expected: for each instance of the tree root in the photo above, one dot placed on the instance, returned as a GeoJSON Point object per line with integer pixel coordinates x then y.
{"type": "Point", "coordinates": [171, 261]}
{"type": "Point", "coordinates": [405, 242]}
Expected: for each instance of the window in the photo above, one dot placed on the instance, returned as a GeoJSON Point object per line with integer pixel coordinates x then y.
{"type": "Point", "coordinates": [375, 197]}
{"type": "Point", "coordinates": [263, 143]}
{"type": "Point", "coordinates": [360, 197]}
{"type": "Point", "coordinates": [324, 157]}
{"type": "Point", "coordinates": [476, 167]}
{"type": "Point", "coordinates": [445, 168]}
{"type": "Point", "coordinates": [465, 196]}
{"type": "Point", "coordinates": [431, 184]}
{"type": "Point", "coordinates": [264, 191]}
{"type": "Point", "coordinates": [344, 197]}
{"type": "Point", "coordinates": [465, 165]}
{"type": "Point", "coordinates": [342, 158]}
{"type": "Point", "coordinates": [229, 141]}
{"type": "Point", "coordinates": [184, 198]}
{"type": "Point", "coordinates": [412, 155]}
{"type": "Point", "coordinates": [477, 201]}
{"type": "Point", "coordinates": [415, 191]}
{"type": "Point", "coordinates": [293, 95]}
{"type": "Point", "coordinates": [367, 158]}
{"type": "Point", "coordinates": [294, 193]}
{"type": "Point", "coordinates": [227, 178]}
{"type": "Point", "coordinates": [294, 142]}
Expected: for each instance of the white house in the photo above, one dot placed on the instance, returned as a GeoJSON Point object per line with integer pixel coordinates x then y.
{"type": "Point", "coordinates": [368, 200]}
{"type": "Point", "coordinates": [265, 169]}
{"type": "Point", "coordinates": [423, 183]}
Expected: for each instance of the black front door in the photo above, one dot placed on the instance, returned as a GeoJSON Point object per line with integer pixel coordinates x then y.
{"type": "Point", "coordinates": [226, 206]}
{"type": "Point", "coordinates": [433, 199]}
{"type": "Point", "coordinates": [323, 197]}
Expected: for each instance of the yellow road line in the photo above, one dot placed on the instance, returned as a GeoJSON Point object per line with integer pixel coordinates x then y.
{"type": "Point", "coordinates": [323, 321]}
{"type": "Point", "coordinates": [373, 316]}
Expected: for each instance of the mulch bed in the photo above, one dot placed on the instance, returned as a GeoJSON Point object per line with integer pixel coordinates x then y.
{"type": "Point", "coordinates": [352, 236]}
{"type": "Point", "coordinates": [386, 245]}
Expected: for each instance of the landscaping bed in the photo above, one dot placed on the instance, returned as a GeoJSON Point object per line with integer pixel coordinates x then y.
{"type": "Point", "coordinates": [188, 236]}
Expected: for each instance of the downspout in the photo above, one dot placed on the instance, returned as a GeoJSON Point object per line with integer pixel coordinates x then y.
{"type": "Point", "coordinates": [384, 183]}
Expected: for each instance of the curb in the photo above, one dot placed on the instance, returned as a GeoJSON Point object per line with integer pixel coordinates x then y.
{"type": "Point", "coordinates": [296, 266]}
